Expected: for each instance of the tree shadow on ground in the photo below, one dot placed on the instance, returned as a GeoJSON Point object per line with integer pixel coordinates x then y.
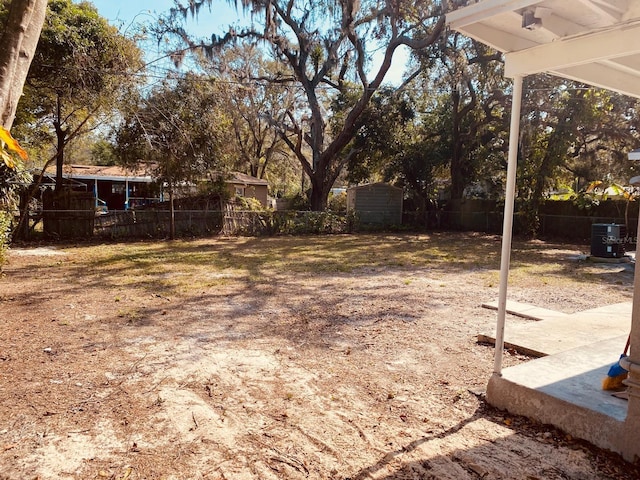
{"type": "Point", "coordinates": [496, 459]}
{"type": "Point", "coordinates": [390, 457]}
{"type": "Point", "coordinates": [169, 269]}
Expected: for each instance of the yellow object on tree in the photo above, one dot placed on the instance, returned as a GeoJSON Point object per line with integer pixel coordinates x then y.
{"type": "Point", "coordinates": [9, 144]}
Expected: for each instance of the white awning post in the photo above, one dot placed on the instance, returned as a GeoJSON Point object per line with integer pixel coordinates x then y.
{"type": "Point", "coordinates": [507, 224]}
{"type": "Point", "coordinates": [631, 438]}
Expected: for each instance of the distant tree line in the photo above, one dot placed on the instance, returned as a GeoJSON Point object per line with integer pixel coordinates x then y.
{"type": "Point", "coordinates": [298, 97]}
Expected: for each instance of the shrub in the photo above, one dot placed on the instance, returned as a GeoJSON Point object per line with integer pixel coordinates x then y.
{"type": "Point", "coordinates": [12, 173]}
{"type": "Point", "coordinates": [338, 202]}
{"type": "Point", "coordinates": [249, 204]}
{"type": "Point", "coordinates": [5, 235]}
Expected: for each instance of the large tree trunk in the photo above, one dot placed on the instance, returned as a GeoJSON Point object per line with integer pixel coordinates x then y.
{"type": "Point", "coordinates": [319, 196]}
{"type": "Point", "coordinates": [19, 43]}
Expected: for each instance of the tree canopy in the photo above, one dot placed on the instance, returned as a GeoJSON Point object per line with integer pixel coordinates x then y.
{"type": "Point", "coordinates": [251, 104]}
{"type": "Point", "coordinates": [179, 133]}
{"type": "Point", "coordinates": [304, 81]}
{"type": "Point", "coordinates": [323, 49]}
{"type": "Point", "coordinates": [178, 129]}
{"type": "Point", "coordinates": [81, 71]}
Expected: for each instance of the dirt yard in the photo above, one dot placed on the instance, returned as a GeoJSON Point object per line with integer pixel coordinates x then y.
{"type": "Point", "coordinates": [344, 357]}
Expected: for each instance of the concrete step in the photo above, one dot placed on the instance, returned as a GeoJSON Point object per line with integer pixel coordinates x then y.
{"type": "Point", "coordinates": [525, 310]}
{"type": "Point", "coordinates": [555, 332]}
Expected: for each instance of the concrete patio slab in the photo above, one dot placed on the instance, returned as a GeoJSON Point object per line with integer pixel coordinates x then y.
{"type": "Point", "coordinates": [565, 390]}
{"type": "Point", "coordinates": [556, 332]}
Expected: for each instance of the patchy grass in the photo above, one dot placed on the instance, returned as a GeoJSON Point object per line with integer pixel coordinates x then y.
{"type": "Point", "coordinates": [340, 253]}
{"type": "Point", "coordinates": [358, 347]}
{"type": "Point", "coordinates": [183, 266]}
{"type": "Point", "coordinates": [343, 253]}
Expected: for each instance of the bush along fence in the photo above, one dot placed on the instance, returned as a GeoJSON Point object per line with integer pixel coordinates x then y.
{"type": "Point", "coordinates": [556, 219]}
{"type": "Point", "coordinates": [559, 220]}
{"type": "Point", "coordinates": [289, 222]}
{"type": "Point", "coordinates": [149, 223]}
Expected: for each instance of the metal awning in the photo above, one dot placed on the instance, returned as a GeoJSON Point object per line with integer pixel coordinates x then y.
{"type": "Point", "coordinates": [590, 41]}
{"type": "Point", "coordinates": [596, 42]}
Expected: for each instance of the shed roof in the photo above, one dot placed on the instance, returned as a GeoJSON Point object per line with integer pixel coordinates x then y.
{"type": "Point", "coordinates": [590, 41]}
{"type": "Point", "coordinates": [243, 179]}
{"type": "Point", "coordinates": [369, 185]}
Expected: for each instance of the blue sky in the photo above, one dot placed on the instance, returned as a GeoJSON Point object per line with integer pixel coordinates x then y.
{"type": "Point", "coordinates": [125, 13]}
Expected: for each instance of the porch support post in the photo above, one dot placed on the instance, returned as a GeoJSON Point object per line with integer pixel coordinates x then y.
{"type": "Point", "coordinates": [631, 440]}
{"type": "Point", "coordinates": [507, 224]}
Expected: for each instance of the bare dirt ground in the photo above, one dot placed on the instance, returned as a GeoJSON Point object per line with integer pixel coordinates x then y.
{"type": "Point", "coordinates": [348, 357]}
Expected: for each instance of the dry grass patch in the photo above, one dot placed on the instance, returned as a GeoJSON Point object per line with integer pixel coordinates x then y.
{"type": "Point", "coordinates": [316, 357]}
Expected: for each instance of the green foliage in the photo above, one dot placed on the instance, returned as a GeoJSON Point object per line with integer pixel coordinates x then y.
{"type": "Point", "coordinates": [397, 144]}
{"type": "Point", "coordinates": [249, 204]}
{"type": "Point", "coordinates": [585, 201]}
{"type": "Point", "coordinates": [322, 49]}
{"type": "Point", "coordinates": [80, 73]}
{"type": "Point", "coordinates": [11, 181]}
{"type": "Point", "coordinates": [572, 135]}
{"type": "Point", "coordinates": [298, 202]}
{"type": "Point", "coordinates": [79, 53]}
{"type": "Point", "coordinates": [309, 222]}
{"type": "Point", "coordinates": [338, 203]}
{"type": "Point", "coordinates": [253, 108]}
{"type": "Point", "coordinates": [466, 117]}
{"type": "Point", "coordinates": [5, 235]}
{"type": "Point", "coordinates": [13, 175]}
{"type": "Point", "coordinates": [384, 132]}
{"type": "Point", "coordinates": [13, 178]}
{"type": "Point", "coordinates": [215, 186]}
{"type": "Point", "coordinates": [103, 153]}
{"type": "Point", "coordinates": [179, 132]}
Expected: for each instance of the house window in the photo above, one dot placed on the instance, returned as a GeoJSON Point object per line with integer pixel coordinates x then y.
{"type": "Point", "coordinates": [239, 191]}
{"type": "Point", "coordinates": [117, 188]}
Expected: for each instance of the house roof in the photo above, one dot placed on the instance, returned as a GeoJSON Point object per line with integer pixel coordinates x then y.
{"type": "Point", "coordinates": [242, 179]}
{"type": "Point", "coordinates": [117, 173]}
{"type": "Point", "coordinates": [113, 173]}
{"type": "Point", "coordinates": [589, 41]}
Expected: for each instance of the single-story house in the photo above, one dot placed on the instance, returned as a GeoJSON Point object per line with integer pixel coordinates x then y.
{"type": "Point", "coordinates": [241, 185]}
{"type": "Point", "coordinates": [114, 187]}
{"type": "Point", "coordinates": [117, 188]}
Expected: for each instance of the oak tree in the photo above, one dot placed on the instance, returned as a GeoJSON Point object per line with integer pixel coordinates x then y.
{"type": "Point", "coordinates": [324, 47]}
{"type": "Point", "coordinates": [81, 71]}
{"type": "Point", "coordinates": [178, 133]}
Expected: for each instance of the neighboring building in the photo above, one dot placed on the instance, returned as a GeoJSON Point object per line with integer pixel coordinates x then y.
{"type": "Point", "coordinates": [241, 185]}
{"type": "Point", "coordinates": [119, 189]}
{"type": "Point", "coordinates": [113, 187]}
{"type": "Point", "coordinates": [377, 203]}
